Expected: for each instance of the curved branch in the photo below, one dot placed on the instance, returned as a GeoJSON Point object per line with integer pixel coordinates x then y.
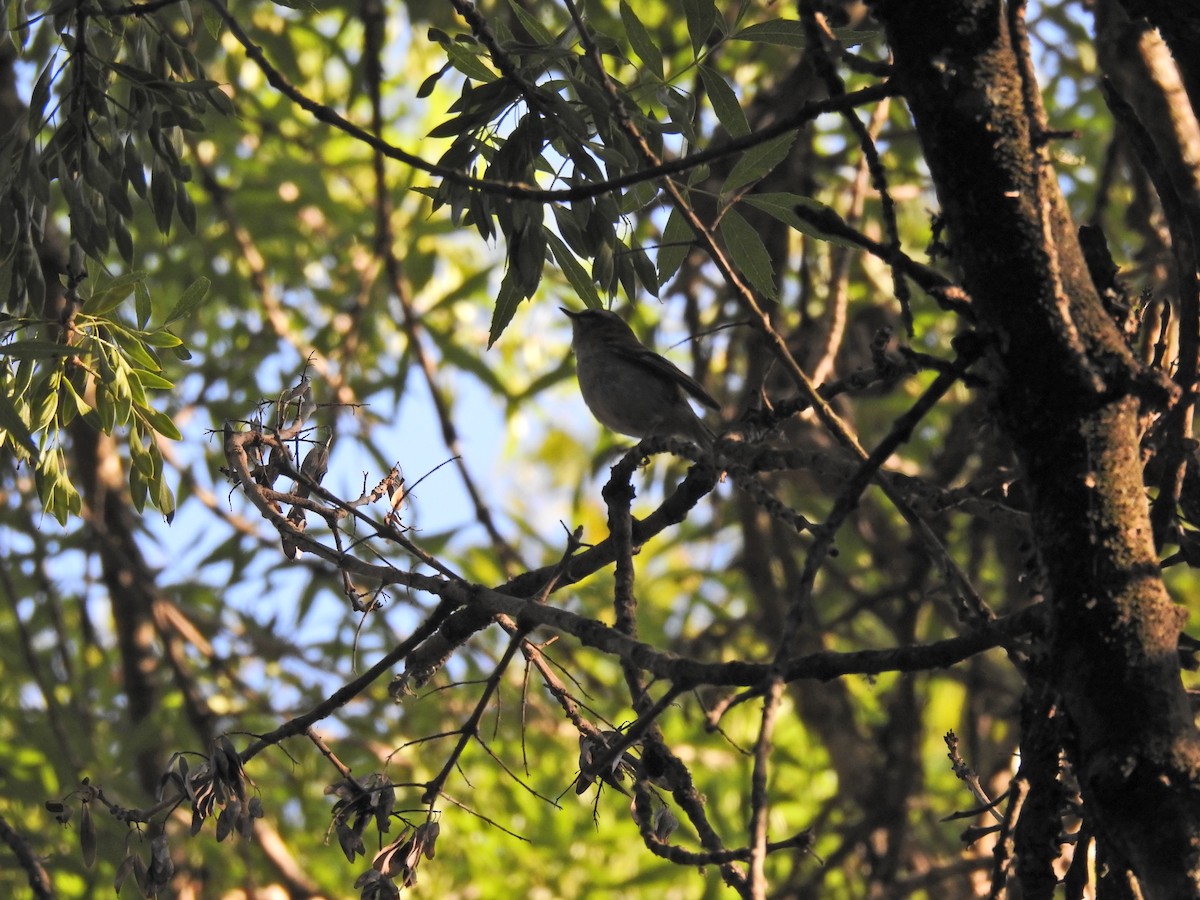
{"type": "Point", "coordinates": [39, 881]}
{"type": "Point", "coordinates": [520, 190]}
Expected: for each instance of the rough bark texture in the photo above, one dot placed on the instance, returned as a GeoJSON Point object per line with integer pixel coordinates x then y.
{"type": "Point", "coordinates": [1068, 398]}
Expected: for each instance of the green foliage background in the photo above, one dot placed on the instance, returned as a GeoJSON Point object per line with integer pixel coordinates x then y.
{"type": "Point", "coordinates": [254, 253]}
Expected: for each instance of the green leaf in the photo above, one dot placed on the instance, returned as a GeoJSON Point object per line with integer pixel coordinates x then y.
{"type": "Point", "coordinates": [140, 456]}
{"type": "Point", "coordinates": [115, 193]}
{"type": "Point", "coordinates": [604, 268]}
{"type": "Point", "coordinates": [456, 126]}
{"type": "Point", "coordinates": [74, 501]}
{"type": "Point", "coordinates": [41, 94]}
{"type": "Point", "coordinates": [197, 86]}
{"type": "Point", "coordinates": [35, 284]}
{"type": "Point", "coordinates": [106, 409]}
{"type": "Point", "coordinates": [123, 395]}
{"type": "Point", "coordinates": [35, 350]}
{"type": "Point", "coordinates": [724, 102]}
{"type": "Point", "coordinates": [626, 273]}
{"type": "Point", "coordinates": [58, 495]}
{"type": "Point", "coordinates": [161, 422]}
{"type": "Point", "coordinates": [17, 431]}
{"type": "Point", "coordinates": [152, 380]}
{"type": "Point", "coordinates": [749, 253]}
{"type": "Point", "coordinates": [537, 31]}
{"type": "Point", "coordinates": [124, 240]}
{"type": "Point", "coordinates": [682, 108]}
{"type": "Point", "coordinates": [645, 269]}
{"type": "Point", "coordinates": [527, 253]}
{"type": "Point", "coordinates": [80, 405]}
{"type": "Point", "coordinates": [186, 208]}
{"type": "Point", "coordinates": [164, 497]}
{"type": "Point", "coordinates": [640, 40]}
{"type": "Point", "coordinates": [638, 197]}
{"type": "Point", "coordinates": [507, 301]}
{"type": "Point", "coordinates": [571, 222]}
{"type": "Point", "coordinates": [162, 338]}
{"type": "Point", "coordinates": [701, 16]}
{"type": "Point", "coordinates": [430, 83]}
{"type": "Point", "coordinates": [699, 174]}
{"type": "Point", "coordinates": [137, 488]}
{"type": "Point", "coordinates": [137, 393]}
{"type": "Point", "coordinates": [787, 32]}
{"type": "Point", "coordinates": [45, 473]}
{"type": "Point", "coordinates": [65, 500]}
{"type": "Point", "coordinates": [219, 101]}
{"type": "Point", "coordinates": [212, 22]}
{"type": "Point", "coordinates": [113, 294]}
{"type": "Point", "coordinates": [135, 171]}
{"type": "Point", "coordinates": [468, 62]}
{"type": "Point", "coordinates": [134, 347]}
{"type": "Point", "coordinates": [190, 301]}
{"type": "Point", "coordinates": [45, 407]}
{"type": "Point", "coordinates": [162, 196]}
{"type": "Point", "coordinates": [758, 161]}
{"type": "Point", "coordinates": [142, 304]}
{"type": "Point", "coordinates": [676, 243]}
{"type": "Point", "coordinates": [782, 205]}
{"type": "Point", "coordinates": [576, 274]}
{"type": "Point", "coordinates": [855, 37]}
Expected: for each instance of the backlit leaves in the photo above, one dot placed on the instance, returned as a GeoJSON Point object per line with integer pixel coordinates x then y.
{"type": "Point", "coordinates": [644, 46]}
{"type": "Point", "coordinates": [758, 161]}
{"type": "Point", "coordinates": [746, 247]}
{"type": "Point", "coordinates": [190, 301]}
{"type": "Point", "coordinates": [557, 128]}
{"type": "Point", "coordinates": [105, 375]}
{"type": "Point", "coordinates": [576, 275]}
{"type": "Point", "coordinates": [701, 19]}
{"type": "Point", "coordinates": [107, 123]}
{"type": "Point", "coordinates": [676, 243]}
{"type": "Point", "coordinates": [787, 32]}
{"type": "Point", "coordinates": [782, 206]}
{"type": "Point", "coordinates": [725, 102]}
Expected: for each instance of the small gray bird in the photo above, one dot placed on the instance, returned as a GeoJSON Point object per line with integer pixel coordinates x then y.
{"type": "Point", "coordinates": [630, 388]}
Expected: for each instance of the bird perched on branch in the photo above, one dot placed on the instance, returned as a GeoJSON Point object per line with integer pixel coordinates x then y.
{"type": "Point", "coordinates": [630, 388]}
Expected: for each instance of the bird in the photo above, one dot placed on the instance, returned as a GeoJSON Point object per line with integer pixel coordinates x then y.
{"type": "Point", "coordinates": [628, 387]}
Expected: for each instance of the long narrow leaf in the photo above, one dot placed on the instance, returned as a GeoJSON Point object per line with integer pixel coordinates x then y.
{"type": "Point", "coordinates": [749, 253]}
{"type": "Point", "coordinates": [576, 274]}
{"type": "Point", "coordinates": [758, 161]}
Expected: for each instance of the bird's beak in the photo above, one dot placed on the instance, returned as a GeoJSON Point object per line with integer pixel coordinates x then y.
{"type": "Point", "coordinates": [569, 314]}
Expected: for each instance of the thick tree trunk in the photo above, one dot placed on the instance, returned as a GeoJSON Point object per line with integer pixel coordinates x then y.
{"type": "Point", "coordinates": [1068, 397]}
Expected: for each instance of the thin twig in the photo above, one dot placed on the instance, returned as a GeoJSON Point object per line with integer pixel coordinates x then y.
{"type": "Point", "coordinates": [759, 802]}
{"type": "Point", "coordinates": [385, 242]}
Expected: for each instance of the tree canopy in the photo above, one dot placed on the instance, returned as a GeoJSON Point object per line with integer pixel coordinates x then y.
{"type": "Point", "coordinates": [320, 579]}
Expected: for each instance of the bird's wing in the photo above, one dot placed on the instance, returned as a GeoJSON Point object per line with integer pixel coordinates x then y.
{"type": "Point", "coordinates": [651, 360]}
